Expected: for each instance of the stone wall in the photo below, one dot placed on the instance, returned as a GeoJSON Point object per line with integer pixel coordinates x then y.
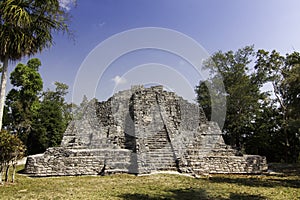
{"type": "Point", "coordinates": [72, 162]}
{"type": "Point", "coordinates": [138, 131]}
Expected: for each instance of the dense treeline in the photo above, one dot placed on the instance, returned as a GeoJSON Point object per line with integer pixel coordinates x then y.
{"type": "Point", "coordinates": [38, 118]}
{"type": "Point", "coordinates": [257, 121]}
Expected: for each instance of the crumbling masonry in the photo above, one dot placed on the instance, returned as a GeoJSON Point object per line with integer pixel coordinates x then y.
{"type": "Point", "coordinates": [138, 131]}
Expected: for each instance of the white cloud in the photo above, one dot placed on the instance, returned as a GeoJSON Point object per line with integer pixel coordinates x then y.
{"type": "Point", "coordinates": [119, 80]}
{"type": "Point", "coordinates": [67, 4]}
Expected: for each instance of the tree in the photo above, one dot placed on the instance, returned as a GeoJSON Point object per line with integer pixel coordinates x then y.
{"type": "Point", "coordinates": [22, 102]}
{"type": "Point", "coordinates": [38, 118]}
{"type": "Point", "coordinates": [11, 149]}
{"type": "Point", "coordinates": [266, 139]}
{"type": "Point", "coordinates": [242, 92]}
{"type": "Point", "coordinates": [51, 120]}
{"type": "Point", "coordinates": [204, 97]}
{"type": "Point", "coordinates": [26, 27]}
{"type": "Point", "coordinates": [255, 120]}
{"type": "Point", "coordinates": [58, 96]}
{"type": "Point", "coordinates": [283, 72]}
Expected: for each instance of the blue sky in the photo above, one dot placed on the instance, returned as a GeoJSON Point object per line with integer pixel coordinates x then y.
{"type": "Point", "coordinates": [214, 24]}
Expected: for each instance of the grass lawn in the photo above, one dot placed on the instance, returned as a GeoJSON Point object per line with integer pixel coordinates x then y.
{"type": "Point", "coordinates": [160, 186]}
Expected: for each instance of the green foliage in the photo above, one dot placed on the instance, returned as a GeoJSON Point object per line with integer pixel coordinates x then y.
{"type": "Point", "coordinates": [26, 26]}
{"type": "Point", "coordinates": [283, 72]}
{"type": "Point", "coordinates": [51, 121]}
{"type": "Point", "coordinates": [254, 121]}
{"type": "Point", "coordinates": [39, 119]}
{"type": "Point", "coordinates": [242, 93]}
{"type": "Point", "coordinates": [48, 128]}
{"type": "Point", "coordinates": [204, 97]}
{"type": "Point", "coordinates": [23, 100]}
{"type": "Point", "coordinates": [11, 149]}
{"type": "Point", "coordinates": [266, 139]}
{"type": "Point", "coordinates": [58, 96]}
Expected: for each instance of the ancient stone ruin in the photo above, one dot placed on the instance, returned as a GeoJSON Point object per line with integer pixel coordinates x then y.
{"type": "Point", "coordinates": [140, 131]}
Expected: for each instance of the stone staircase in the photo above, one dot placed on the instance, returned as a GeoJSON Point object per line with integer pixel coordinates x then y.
{"type": "Point", "coordinates": [160, 154]}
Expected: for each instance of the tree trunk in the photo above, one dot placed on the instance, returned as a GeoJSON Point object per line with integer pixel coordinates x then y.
{"type": "Point", "coordinates": [6, 173]}
{"type": "Point", "coordinates": [14, 163]}
{"type": "Point", "coordinates": [287, 160]}
{"type": "Point", "coordinates": [13, 172]}
{"type": "Point", "coordinates": [3, 88]}
{"type": "Point", "coordinates": [1, 171]}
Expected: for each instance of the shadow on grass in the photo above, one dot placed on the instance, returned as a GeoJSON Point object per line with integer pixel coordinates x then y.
{"type": "Point", "coordinates": [190, 194]}
{"type": "Point", "coordinates": [257, 182]}
{"type": "Point", "coordinates": [286, 169]}
{"type": "Point", "coordinates": [234, 196]}
{"type": "Point", "coordinates": [175, 194]}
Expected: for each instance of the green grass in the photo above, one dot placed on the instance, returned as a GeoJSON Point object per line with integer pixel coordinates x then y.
{"type": "Point", "coordinates": [159, 186]}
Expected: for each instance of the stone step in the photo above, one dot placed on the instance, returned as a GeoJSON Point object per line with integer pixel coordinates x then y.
{"type": "Point", "coordinates": [119, 165]}
{"type": "Point", "coordinates": [161, 138]}
{"type": "Point", "coordinates": [154, 148]}
{"type": "Point", "coordinates": [149, 160]}
{"type": "Point", "coordinates": [160, 162]}
{"type": "Point", "coordinates": [161, 150]}
{"type": "Point", "coordinates": [162, 167]}
{"type": "Point", "coordinates": [160, 154]}
{"type": "Point", "coordinates": [159, 159]}
{"type": "Point", "coordinates": [159, 165]}
{"type": "Point", "coordinates": [167, 155]}
{"type": "Point", "coordinates": [155, 142]}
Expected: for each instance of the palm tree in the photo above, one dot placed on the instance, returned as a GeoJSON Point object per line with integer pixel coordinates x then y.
{"type": "Point", "coordinates": [26, 28]}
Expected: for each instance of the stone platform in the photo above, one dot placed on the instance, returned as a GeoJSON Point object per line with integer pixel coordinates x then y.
{"type": "Point", "coordinates": [140, 131]}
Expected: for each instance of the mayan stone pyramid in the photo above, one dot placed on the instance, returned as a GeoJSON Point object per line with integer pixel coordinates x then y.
{"type": "Point", "coordinates": [139, 131]}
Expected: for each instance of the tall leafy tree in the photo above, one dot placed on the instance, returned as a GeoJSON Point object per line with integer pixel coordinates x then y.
{"type": "Point", "coordinates": [283, 72]}
{"type": "Point", "coordinates": [204, 97]}
{"type": "Point", "coordinates": [265, 139]}
{"type": "Point", "coordinates": [26, 27]}
{"type": "Point", "coordinates": [51, 120]}
{"type": "Point", "coordinates": [255, 120]}
{"type": "Point", "coordinates": [38, 118]}
{"type": "Point", "coordinates": [242, 92]}
{"type": "Point", "coordinates": [22, 101]}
